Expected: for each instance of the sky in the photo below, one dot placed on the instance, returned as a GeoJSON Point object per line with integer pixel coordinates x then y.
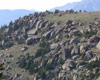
{"type": "Point", "coordinates": [39, 5]}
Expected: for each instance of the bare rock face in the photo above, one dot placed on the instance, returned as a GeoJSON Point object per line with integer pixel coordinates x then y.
{"type": "Point", "coordinates": [74, 41]}
{"type": "Point", "coordinates": [98, 78]}
{"type": "Point", "coordinates": [98, 45]}
{"type": "Point", "coordinates": [32, 32]}
{"type": "Point", "coordinates": [85, 47]}
{"type": "Point", "coordinates": [98, 33]}
{"type": "Point", "coordinates": [75, 22]}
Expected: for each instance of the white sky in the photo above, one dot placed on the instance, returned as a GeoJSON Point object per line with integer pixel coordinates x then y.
{"type": "Point", "coordinates": [39, 5]}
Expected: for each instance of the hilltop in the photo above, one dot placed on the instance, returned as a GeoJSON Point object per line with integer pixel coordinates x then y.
{"type": "Point", "coordinates": [59, 45]}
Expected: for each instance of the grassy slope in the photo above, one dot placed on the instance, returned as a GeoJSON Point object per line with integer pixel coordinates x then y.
{"type": "Point", "coordinates": [83, 17]}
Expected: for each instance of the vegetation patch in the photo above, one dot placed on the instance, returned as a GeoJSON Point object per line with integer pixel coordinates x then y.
{"type": "Point", "coordinates": [93, 65]}
{"type": "Point", "coordinates": [44, 48]}
{"type": "Point", "coordinates": [88, 34]}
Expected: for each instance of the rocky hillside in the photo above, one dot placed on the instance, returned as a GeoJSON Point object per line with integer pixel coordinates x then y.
{"type": "Point", "coordinates": [59, 45]}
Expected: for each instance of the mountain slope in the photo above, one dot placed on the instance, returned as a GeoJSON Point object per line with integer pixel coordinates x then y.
{"type": "Point", "coordinates": [52, 46]}
{"type": "Point", "coordinates": [88, 5]}
{"type": "Point", "coordinates": [10, 15]}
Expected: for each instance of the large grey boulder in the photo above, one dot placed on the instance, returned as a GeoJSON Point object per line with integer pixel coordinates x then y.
{"type": "Point", "coordinates": [54, 45]}
{"type": "Point", "coordinates": [98, 78]}
{"type": "Point", "coordinates": [32, 32]}
{"type": "Point", "coordinates": [85, 47]}
{"type": "Point", "coordinates": [47, 34]}
{"type": "Point", "coordinates": [94, 39]}
{"type": "Point", "coordinates": [98, 45]}
{"type": "Point", "coordinates": [65, 53]}
{"type": "Point", "coordinates": [29, 41]}
{"type": "Point", "coordinates": [98, 33]}
{"type": "Point", "coordinates": [69, 65]}
{"type": "Point", "coordinates": [75, 51]}
{"type": "Point", "coordinates": [88, 55]}
{"type": "Point", "coordinates": [32, 40]}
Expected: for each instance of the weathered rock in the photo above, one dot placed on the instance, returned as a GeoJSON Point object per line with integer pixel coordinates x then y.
{"type": "Point", "coordinates": [98, 33]}
{"type": "Point", "coordinates": [54, 45]}
{"type": "Point", "coordinates": [59, 30]}
{"type": "Point", "coordinates": [94, 39]}
{"type": "Point", "coordinates": [1, 55]}
{"type": "Point", "coordinates": [75, 51]}
{"type": "Point", "coordinates": [80, 63]}
{"type": "Point", "coordinates": [32, 32]}
{"type": "Point", "coordinates": [69, 22]}
{"type": "Point", "coordinates": [97, 23]}
{"type": "Point", "coordinates": [98, 78]}
{"type": "Point", "coordinates": [65, 52]}
{"type": "Point", "coordinates": [9, 55]}
{"type": "Point", "coordinates": [84, 48]}
{"type": "Point", "coordinates": [74, 41]}
{"type": "Point", "coordinates": [47, 34]}
{"type": "Point", "coordinates": [96, 58]}
{"type": "Point", "coordinates": [32, 40]}
{"type": "Point", "coordinates": [24, 48]}
{"type": "Point", "coordinates": [98, 45]}
{"type": "Point", "coordinates": [75, 77]}
{"type": "Point", "coordinates": [75, 57]}
{"type": "Point", "coordinates": [29, 41]}
{"type": "Point", "coordinates": [69, 65]}
{"type": "Point", "coordinates": [35, 78]}
{"type": "Point", "coordinates": [75, 22]}
{"type": "Point", "coordinates": [88, 55]}
{"type": "Point", "coordinates": [96, 70]}
{"type": "Point", "coordinates": [76, 32]}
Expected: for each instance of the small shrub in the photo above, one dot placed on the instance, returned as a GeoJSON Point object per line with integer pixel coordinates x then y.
{"type": "Point", "coordinates": [44, 48]}
{"type": "Point", "coordinates": [89, 34]}
{"type": "Point", "coordinates": [21, 41]}
{"type": "Point", "coordinates": [42, 74]}
{"type": "Point", "coordinates": [8, 44]}
{"type": "Point", "coordinates": [93, 64]}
